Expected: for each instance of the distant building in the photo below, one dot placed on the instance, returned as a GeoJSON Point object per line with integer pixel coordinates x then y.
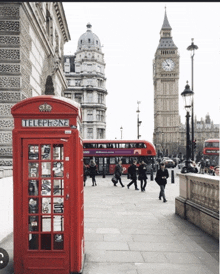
{"type": "Point", "coordinates": [169, 135]}
{"type": "Point", "coordinates": [166, 92]}
{"type": "Point", "coordinates": [85, 75]}
{"type": "Point", "coordinates": [32, 38]}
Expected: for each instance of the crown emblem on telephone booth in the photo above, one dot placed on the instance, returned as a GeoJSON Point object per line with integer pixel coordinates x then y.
{"type": "Point", "coordinates": [45, 108]}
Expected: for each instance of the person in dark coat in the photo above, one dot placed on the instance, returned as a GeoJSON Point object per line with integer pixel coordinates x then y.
{"type": "Point", "coordinates": [132, 171]}
{"type": "Point", "coordinates": [118, 173]}
{"type": "Point", "coordinates": [85, 173]}
{"type": "Point", "coordinates": [161, 179]}
{"type": "Point", "coordinates": [142, 175]}
{"type": "Point", "coordinates": [92, 172]}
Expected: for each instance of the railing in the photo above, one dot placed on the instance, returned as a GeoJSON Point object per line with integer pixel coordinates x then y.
{"type": "Point", "coordinates": [198, 201]}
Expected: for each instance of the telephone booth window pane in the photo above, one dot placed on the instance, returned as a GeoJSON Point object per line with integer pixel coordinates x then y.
{"type": "Point", "coordinates": [58, 223]}
{"type": "Point", "coordinates": [33, 170]}
{"type": "Point", "coordinates": [46, 241]}
{"type": "Point", "coordinates": [33, 187]}
{"type": "Point", "coordinates": [33, 205]}
{"type": "Point", "coordinates": [45, 152]}
{"type": "Point", "coordinates": [46, 169]}
{"type": "Point", "coordinates": [46, 223]}
{"type": "Point", "coordinates": [58, 169]}
{"type": "Point", "coordinates": [46, 187]}
{"type": "Point", "coordinates": [33, 223]}
{"type": "Point", "coordinates": [33, 152]}
{"type": "Point", "coordinates": [58, 241]}
{"type": "Point", "coordinates": [33, 241]}
{"type": "Point", "coordinates": [57, 205]}
{"type": "Point", "coordinates": [46, 205]}
{"type": "Point", "coordinates": [58, 152]}
{"type": "Point", "coordinates": [57, 187]}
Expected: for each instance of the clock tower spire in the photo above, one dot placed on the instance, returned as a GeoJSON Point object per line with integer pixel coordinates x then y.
{"type": "Point", "coordinates": [166, 92]}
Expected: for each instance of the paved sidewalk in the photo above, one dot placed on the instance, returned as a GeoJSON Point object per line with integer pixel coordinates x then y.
{"type": "Point", "coordinates": [130, 232]}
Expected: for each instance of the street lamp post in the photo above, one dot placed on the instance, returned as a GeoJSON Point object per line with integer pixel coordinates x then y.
{"type": "Point", "coordinates": [192, 48]}
{"type": "Point", "coordinates": [187, 95]}
{"type": "Point", "coordinates": [121, 128]}
{"type": "Point", "coordinates": [138, 122]}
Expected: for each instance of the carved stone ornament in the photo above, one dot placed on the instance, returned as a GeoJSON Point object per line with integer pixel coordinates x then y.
{"type": "Point", "coordinates": [45, 108]}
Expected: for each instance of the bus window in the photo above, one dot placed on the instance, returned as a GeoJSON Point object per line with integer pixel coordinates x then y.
{"type": "Point", "coordinates": [112, 161]}
{"type": "Point", "coordinates": [143, 145]}
{"type": "Point", "coordinates": [215, 144]}
{"type": "Point", "coordinates": [121, 145]}
{"type": "Point", "coordinates": [125, 160]}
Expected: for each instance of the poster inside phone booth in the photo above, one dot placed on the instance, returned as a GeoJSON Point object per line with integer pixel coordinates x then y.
{"type": "Point", "coordinates": [48, 186]}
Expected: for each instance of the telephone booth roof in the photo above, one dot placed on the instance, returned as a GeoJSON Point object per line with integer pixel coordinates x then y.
{"type": "Point", "coordinates": [57, 106]}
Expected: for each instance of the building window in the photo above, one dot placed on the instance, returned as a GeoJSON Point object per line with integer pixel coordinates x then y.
{"type": "Point", "coordinates": [99, 69]}
{"type": "Point", "coordinates": [81, 41]}
{"type": "Point", "coordinates": [100, 133]}
{"type": "Point", "coordinates": [100, 115]}
{"type": "Point", "coordinates": [67, 60]}
{"type": "Point", "coordinates": [89, 115]}
{"type": "Point", "coordinates": [89, 40]}
{"type": "Point", "coordinates": [100, 98]}
{"type": "Point", "coordinates": [96, 42]}
{"type": "Point", "coordinates": [89, 67]}
{"type": "Point", "coordinates": [68, 95]}
{"type": "Point", "coordinates": [78, 97]}
{"type": "Point", "coordinates": [89, 133]}
{"type": "Point", "coordinates": [89, 97]}
{"type": "Point", "coordinates": [67, 67]}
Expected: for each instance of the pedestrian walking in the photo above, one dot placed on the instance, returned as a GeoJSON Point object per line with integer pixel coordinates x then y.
{"type": "Point", "coordinates": [202, 166]}
{"type": "Point", "coordinates": [161, 179]}
{"type": "Point", "coordinates": [118, 173]}
{"type": "Point", "coordinates": [132, 170]}
{"type": "Point", "coordinates": [207, 165]}
{"type": "Point", "coordinates": [142, 175]}
{"type": "Point", "coordinates": [92, 172]}
{"type": "Point", "coordinates": [85, 173]}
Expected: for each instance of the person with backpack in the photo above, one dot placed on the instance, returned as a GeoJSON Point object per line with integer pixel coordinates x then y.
{"type": "Point", "coordinates": [132, 171]}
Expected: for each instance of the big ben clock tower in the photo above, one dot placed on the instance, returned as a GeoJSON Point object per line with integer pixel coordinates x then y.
{"type": "Point", "coordinates": [166, 92]}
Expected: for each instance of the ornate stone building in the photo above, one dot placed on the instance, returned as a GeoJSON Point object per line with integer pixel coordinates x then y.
{"type": "Point", "coordinates": [85, 74]}
{"type": "Point", "coordinates": [169, 134]}
{"type": "Point", "coordinates": [32, 37]}
{"type": "Point", "coordinates": [166, 92]}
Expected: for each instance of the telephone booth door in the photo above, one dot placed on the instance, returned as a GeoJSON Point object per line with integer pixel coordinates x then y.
{"type": "Point", "coordinates": [46, 205]}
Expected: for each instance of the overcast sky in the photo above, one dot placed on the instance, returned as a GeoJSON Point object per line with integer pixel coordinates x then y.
{"type": "Point", "coordinates": [129, 33]}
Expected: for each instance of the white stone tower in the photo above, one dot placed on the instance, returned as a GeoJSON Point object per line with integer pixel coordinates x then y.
{"type": "Point", "coordinates": [166, 92]}
{"type": "Point", "coordinates": [86, 84]}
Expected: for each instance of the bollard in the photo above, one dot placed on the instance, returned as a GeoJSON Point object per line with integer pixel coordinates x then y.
{"type": "Point", "coordinates": [103, 175]}
{"type": "Point", "coordinates": [172, 176]}
{"type": "Point", "coordinates": [151, 174]}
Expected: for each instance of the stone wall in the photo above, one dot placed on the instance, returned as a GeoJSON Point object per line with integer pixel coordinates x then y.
{"type": "Point", "coordinates": [30, 51]}
{"type": "Point", "coordinates": [198, 201]}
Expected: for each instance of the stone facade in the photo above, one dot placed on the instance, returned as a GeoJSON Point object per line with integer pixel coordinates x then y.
{"type": "Point", "coordinates": [85, 74]}
{"type": "Point", "coordinates": [166, 92]}
{"type": "Point", "coordinates": [198, 201]}
{"type": "Point", "coordinates": [32, 37]}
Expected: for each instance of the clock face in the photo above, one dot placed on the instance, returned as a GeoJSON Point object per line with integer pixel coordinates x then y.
{"type": "Point", "coordinates": [168, 64]}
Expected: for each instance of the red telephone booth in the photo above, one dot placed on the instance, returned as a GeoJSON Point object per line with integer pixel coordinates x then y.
{"type": "Point", "coordinates": [48, 186]}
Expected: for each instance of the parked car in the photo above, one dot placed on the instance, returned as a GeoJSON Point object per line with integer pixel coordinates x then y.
{"type": "Point", "coordinates": [169, 163]}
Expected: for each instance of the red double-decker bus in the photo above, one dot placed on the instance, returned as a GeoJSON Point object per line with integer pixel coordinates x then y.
{"type": "Point", "coordinates": [211, 152]}
{"type": "Point", "coordinates": [107, 154]}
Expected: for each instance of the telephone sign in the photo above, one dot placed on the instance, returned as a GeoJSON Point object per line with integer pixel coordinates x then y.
{"type": "Point", "coordinates": [48, 206]}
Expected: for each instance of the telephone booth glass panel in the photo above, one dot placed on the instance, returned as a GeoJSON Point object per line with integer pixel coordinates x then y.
{"type": "Point", "coordinates": [46, 189]}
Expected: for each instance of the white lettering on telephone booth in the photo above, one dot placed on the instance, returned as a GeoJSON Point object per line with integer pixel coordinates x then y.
{"type": "Point", "coordinates": [45, 123]}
